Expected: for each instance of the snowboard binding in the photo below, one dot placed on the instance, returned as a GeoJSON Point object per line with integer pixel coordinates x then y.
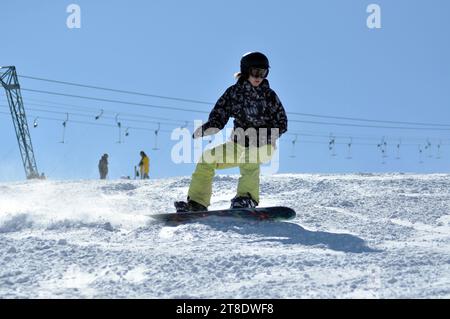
{"type": "Point", "coordinates": [189, 206]}
{"type": "Point", "coordinates": [243, 202]}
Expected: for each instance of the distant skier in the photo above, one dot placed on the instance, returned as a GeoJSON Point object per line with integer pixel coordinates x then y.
{"type": "Point", "coordinates": [144, 166]}
{"type": "Point", "coordinates": [253, 105]}
{"type": "Point", "coordinates": [103, 166]}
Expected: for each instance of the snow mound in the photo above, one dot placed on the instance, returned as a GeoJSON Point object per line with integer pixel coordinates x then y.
{"type": "Point", "coordinates": [355, 236]}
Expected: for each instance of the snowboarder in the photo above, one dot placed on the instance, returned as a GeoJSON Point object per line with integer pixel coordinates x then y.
{"type": "Point", "coordinates": [103, 166]}
{"type": "Point", "coordinates": [253, 105]}
{"type": "Point", "coordinates": [144, 165]}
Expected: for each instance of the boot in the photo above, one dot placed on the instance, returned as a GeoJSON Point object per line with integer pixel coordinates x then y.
{"type": "Point", "coordinates": [189, 206]}
{"type": "Point", "coordinates": [243, 202]}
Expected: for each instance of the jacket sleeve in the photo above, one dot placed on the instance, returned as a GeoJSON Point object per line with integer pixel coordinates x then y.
{"type": "Point", "coordinates": [279, 116]}
{"type": "Point", "coordinates": [221, 112]}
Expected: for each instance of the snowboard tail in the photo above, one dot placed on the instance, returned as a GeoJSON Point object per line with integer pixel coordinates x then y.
{"type": "Point", "coordinates": [260, 213]}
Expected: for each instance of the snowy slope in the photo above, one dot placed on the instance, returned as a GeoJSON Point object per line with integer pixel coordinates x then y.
{"type": "Point", "coordinates": [355, 236]}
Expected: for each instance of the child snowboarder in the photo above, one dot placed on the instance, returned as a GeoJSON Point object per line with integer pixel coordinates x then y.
{"type": "Point", "coordinates": [255, 107]}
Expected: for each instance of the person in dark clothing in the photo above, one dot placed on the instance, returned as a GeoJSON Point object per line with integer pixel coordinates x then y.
{"type": "Point", "coordinates": [259, 120]}
{"type": "Point", "coordinates": [103, 166]}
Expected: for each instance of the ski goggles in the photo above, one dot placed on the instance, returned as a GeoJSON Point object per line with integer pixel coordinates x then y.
{"type": "Point", "coordinates": [258, 73]}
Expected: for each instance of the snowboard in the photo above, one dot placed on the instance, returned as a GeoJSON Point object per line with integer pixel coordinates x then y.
{"type": "Point", "coordinates": [274, 213]}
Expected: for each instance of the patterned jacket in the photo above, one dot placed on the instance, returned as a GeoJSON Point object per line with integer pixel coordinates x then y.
{"type": "Point", "coordinates": [251, 107]}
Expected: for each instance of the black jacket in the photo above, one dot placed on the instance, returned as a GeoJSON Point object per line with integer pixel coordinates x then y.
{"type": "Point", "coordinates": [251, 107]}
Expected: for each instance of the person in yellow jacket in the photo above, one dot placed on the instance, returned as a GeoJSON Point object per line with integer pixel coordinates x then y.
{"type": "Point", "coordinates": [144, 165]}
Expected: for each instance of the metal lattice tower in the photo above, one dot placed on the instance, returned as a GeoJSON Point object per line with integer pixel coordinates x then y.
{"type": "Point", "coordinates": [8, 79]}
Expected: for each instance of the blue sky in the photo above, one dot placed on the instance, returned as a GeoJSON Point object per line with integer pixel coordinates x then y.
{"type": "Point", "coordinates": [325, 61]}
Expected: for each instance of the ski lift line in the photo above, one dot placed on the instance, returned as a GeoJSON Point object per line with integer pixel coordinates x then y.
{"type": "Point", "coordinates": [118, 91]}
{"type": "Point", "coordinates": [211, 103]}
{"type": "Point", "coordinates": [346, 144]}
{"type": "Point", "coordinates": [343, 141]}
{"type": "Point", "coordinates": [198, 111]}
{"type": "Point", "coordinates": [298, 121]}
{"type": "Point", "coordinates": [167, 131]}
{"type": "Point", "coordinates": [91, 110]}
{"type": "Point", "coordinates": [288, 133]}
{"type": "Point", "coordinates": [105, 117]}
{"type": "Point", "coordinates": [372, 126]}
{"type": "Point", "coordinates": [101, 124]}
{"type": "Point", "coordinates": [90, 123]}
{"type": "Point", "coordinates": [368, 120]}
{"type": "Point", "coordinates": [357, 137]}
{"type": "Point", "coordinates": [326, 143]}
{"type": "Point", "coordinates": [181, 121]}
{"type": "Point", "coordinates": [115, 101]}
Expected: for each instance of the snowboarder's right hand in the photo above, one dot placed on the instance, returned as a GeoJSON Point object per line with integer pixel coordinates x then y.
{"type": "Point", "coordinates": [198, 132]}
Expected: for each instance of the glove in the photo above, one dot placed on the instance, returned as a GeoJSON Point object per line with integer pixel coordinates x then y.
{"type": "Point", "coordinates": [198, 132]}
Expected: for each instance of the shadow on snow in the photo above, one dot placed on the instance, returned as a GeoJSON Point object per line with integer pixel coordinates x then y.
{"type": "Point", "coordinates": [291, 234]}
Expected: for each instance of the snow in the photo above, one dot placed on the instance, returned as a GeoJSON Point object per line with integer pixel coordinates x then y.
{"type": "Point", "coordinates": [355, 236]}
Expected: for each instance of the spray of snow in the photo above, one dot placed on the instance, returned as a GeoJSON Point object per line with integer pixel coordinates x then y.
{"type": "Point", "coordinates": [355, 236]}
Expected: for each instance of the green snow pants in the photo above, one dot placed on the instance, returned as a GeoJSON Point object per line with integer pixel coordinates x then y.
{"type": "Point", "coordinates": [224, 156]}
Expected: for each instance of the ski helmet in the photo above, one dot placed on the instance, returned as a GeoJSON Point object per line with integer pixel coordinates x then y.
{"type": "Point", "coordinates": [254, 60]}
